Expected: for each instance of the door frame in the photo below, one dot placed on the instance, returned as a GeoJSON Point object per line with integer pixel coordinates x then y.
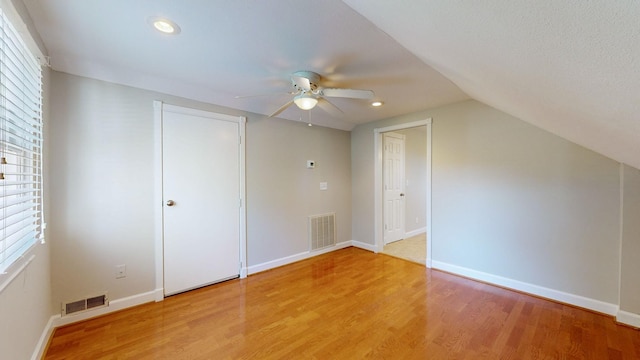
{"type": "Point", "coordinates": [378, 213]}
{"type": "Point", "coordinates": [158, 107]}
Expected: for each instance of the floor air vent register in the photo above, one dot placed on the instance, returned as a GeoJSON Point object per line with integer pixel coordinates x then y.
{"type": "Point", "coordinates": [322, 231]}
{"type": "Point", "coordinates": [85, 304]}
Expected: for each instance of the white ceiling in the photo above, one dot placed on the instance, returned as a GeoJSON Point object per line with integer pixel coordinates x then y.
{"type": "Point", "coordinates": [570, 67]}
{"type": "Point", "coordinates": [238, 48]}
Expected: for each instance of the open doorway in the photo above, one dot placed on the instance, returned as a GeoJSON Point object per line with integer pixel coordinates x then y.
{"type": "Point", "coordinates": [403, 200]}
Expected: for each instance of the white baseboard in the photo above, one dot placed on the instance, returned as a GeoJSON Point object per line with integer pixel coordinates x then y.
{"type": "Point", "coordinates": [114, 305]}
{"type": "Point", "coordinates": [365, 246]}
{"type": "Point", "coordinates": [415, 232]}
{"type": "Point", "coordinates": [628, 318]}
{"type": "Point", "coordinates": [294, 258]}
{"type": "Point", "coordinates": [159, 294]}
{"type": "Point", "coordinates": [44, 340]}
{"type": "Point", "coordinates": [572, 299]}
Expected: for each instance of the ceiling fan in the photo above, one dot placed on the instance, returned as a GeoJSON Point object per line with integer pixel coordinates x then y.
{"type": "Point", "coordinates": [309, 92]}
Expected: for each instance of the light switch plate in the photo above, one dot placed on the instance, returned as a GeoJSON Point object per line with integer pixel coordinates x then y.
{"type": "Point", "coordinates": [121, 271]}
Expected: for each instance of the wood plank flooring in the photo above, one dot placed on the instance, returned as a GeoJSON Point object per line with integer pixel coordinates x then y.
{"type": "Point", "coordinates": [349, 304]}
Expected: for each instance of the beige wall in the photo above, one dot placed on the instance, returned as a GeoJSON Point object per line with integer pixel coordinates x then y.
{"type": "Point", "coordinates": [101, 178]}
{"type": "Point", "coordinates": [282, 192]}
{"type": "Point", "coordinates": [102, 186]}
{"type": "Point", "coordinates": [515, 201]}
{"type": "Point", "coordinates": [25, 307]}
{"type": "Point", "coordinates": [630, 279]}
{"type": "Point", "coordinates": [509, 200]}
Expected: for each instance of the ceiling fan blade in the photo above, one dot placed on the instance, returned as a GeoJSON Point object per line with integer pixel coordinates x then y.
{"type": "Point", "coordinates": [260, 95]}
{"type": "Point", "coordinates": [301, 82]}
{"type": "Point", "coordinates": [349, 93]}
{"type": "Point", "coordinates": [282, 108]}
{"type": "Point", "coordinates": [327, 106]}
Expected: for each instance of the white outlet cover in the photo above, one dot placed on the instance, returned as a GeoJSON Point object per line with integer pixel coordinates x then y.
{"type": "Point", "coordinates": [324, 186]}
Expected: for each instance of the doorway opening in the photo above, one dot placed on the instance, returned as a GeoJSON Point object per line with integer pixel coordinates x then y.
{"type": "Point", "coordinates": [415, 191]}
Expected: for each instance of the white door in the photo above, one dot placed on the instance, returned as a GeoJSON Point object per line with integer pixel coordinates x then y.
{"type": "Point", "coordinates": [201, 197]}
{"type": "Point", "coordinates": [393, 187]}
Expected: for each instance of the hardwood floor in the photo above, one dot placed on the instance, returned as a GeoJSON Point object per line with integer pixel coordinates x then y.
{"type": "Point", "coordinates": [349, 304]}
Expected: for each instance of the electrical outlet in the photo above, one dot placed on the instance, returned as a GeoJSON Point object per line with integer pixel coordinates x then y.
{"type": "Point", "coordinates": [121, 271]}
{"type": "Point", "coordinates": [417, 220]}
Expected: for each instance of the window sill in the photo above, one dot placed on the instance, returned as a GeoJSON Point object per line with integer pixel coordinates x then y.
{"type": "Point", "coordinates": [17, 268]}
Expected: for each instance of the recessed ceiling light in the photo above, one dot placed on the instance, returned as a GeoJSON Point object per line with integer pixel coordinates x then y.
{"type": "Point", "coordinates": [376, 103]}
{"type": "Point", "coordinates": [164, 25]}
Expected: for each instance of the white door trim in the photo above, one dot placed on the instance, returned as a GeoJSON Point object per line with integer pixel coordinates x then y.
{"type": "Point", "coordinates": [378, 215]}
{"type": "Point", "coordinates": [158, 107]}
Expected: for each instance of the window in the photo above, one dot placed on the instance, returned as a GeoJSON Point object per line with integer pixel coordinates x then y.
{"type": "Point", "coordinates": [20, 146]}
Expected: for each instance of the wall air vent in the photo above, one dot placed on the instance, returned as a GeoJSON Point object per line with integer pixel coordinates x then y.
{"type": "Point", "coordinates": [322, 231]}
{"type": "Point", "coordinates": [85, 304]}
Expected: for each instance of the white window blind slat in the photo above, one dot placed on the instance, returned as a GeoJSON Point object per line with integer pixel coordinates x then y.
{"type": "Point", "coordinates": [20, 82]}
{"type": "Point", "coordinates": [18, 200]}
{"type": "Point", "coordinates": [28, 135]}
{"type": "Point", "coordinates": [15, 102]}
{"type": "Point", "coordinates": [6, 184]}
{"type": "Point", "coordinates": [20, 172]}
{"type": "Point", "coordinates": [15, 249]}
{"type": "Point", "coordinates": [12, 118]}
{"type": "Point", "coordinates": [15, 210]}
{"type": "Point", "coordinates": [15, 58]}
{"type": "Point", "coordinates": [14, 80]}
{"type": "Point", "coordinates": [9, 146]}
{"type": "Point", "coordinates": [17, 232]}
{"type": "Point", "coordinates": [25, 170]}
{"type": "Point", "coordinates": [13, 176]}
{"type": "Point", "coordinates": [29, 213]}
{"type": "Point", "coordinates": [10, 193]}
{"type": "Point", "coordinates": [21, 216]}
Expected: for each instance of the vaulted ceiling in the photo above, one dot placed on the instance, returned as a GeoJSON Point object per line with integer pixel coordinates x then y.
{"type": "Point", "coordinates": [569, 67]}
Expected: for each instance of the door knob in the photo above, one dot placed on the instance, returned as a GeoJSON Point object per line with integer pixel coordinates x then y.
{"type": "Point", "coordinates": [170, 202]}
{"type": "Point", "coordinates": [402, 194]}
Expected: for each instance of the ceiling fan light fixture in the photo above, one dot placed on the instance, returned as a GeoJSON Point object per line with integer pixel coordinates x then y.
{"type": "Point", "coordinates": [305, 101]}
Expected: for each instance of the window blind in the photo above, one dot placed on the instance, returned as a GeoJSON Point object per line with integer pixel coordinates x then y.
{"type": "Point", "coordinates": [21, 209]}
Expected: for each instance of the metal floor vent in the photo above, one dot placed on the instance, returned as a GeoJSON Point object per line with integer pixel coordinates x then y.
{"type": "Point", "coordinates": [322, 231]}
{"type": "Point", "coordinates": [85, 304]}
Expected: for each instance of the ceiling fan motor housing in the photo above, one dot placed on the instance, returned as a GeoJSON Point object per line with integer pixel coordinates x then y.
{"type": "Point", "coordinates": [300, 85]}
